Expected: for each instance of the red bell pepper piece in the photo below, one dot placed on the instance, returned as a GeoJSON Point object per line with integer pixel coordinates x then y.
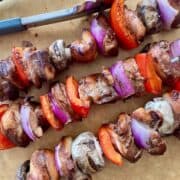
{"type": "Point", "coordinates": [153, 83]}
{"type": "Point", "coordinates": [79, 106]}
{"type": "Point", "coordinates": [48, 113]}
{"type": "Point", "coordinates": [177, 84]}
{"type": "Point", "coordinates": [119, 25]}
{"type": "Point", "coordinates": [5, 143]}
{"type": "Point", "coordinates": [17, 55]}
{"type": "Point", "coordinates": [107, 146]}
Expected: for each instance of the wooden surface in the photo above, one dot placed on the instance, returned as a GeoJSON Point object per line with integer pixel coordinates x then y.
{"type": "Point", "coordinates": [148, 167]}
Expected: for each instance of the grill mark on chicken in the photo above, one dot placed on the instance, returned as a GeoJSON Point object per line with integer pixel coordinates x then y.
{"type": "Point", "coordinates": [148, 12]}
{"type": "Point", "coordinates": [134, 24]}
{"type": "Point", "coordinates": [96, 88]}
{"type": "Point", "coordinates": [123, 139]}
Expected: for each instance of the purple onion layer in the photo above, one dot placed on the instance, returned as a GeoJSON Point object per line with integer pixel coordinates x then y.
{"type": "Point", "coordinates": [58, 111]}
{"type": "Point", "coordinates": [122, 83]}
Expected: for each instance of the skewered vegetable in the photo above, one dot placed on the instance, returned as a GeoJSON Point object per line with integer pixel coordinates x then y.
{"type": "Point", "coordinates": [27, 65]}
{"type": "Point", "coordinates": [71, 102]}
{"type": "Point", "coordinates": [127, 137]}
{"type": "Point", "coordinates": [105, 37]}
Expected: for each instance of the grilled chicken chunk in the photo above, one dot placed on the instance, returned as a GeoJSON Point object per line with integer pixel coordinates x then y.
{"type": "Point", "coordinates": [123, 139]}
{"type": "Point", "coordinates": [148, 12]}
{"type": "Point", "coordinates": [97, 88]}
{"type": "Point", "coordinates": [8, 72]}
{"type": "Point", "coordinates": [39, 66]}
{"type": "Point", "coordinates": [165, 66]}
{"type": "Point", "coordinates": [135, 24]}
{"type": "Point", "coordinates": [12, 128]}
{"type": "Point", "coordinates": [42, 166]}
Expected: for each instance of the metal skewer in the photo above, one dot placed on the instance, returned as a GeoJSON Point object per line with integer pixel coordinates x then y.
{"type": "Point", "coordinates": [20, 24]}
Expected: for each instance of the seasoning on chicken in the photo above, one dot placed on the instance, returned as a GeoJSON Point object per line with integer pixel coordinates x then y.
{"type": "Point", "coordinates": [135, 24]}
{"type": "Point", "coordinates": [122, 138]}
{"type": "Point", "coordinates": [97, 88]}
{"type": "Point", "coordinates": [8, 72]}
{"type": "Point", "coordinates": [166, 67]}
{"type": "Point", "coordinates": [42, 166]}
{"type": "Point", "coordinates": [39, 66]}
{"type": "Point", "coordinates": [148, 12]}
{"type": "Point", "coordinates": [84, 50]}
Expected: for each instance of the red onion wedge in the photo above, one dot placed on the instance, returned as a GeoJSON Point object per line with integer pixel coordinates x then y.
{"type": "Point", "coordinates": [64, 163]}
{"type": "Point", "coordinates": [122, 84]}
{"type": "Point", "coordinates": [105, 37]}
{"type": "Point", "coordinates": [25, 113]}
{"type": "Point", "coordinates": [147, 138]}
{"type": "Point", "coordinates": [141, 133]}
{"type": "Point", "coordinates": [59, 111]}
{"type": "Point", "coordinates": [175, 48]}
{"type": "Point", "coordinates": [169, 12]}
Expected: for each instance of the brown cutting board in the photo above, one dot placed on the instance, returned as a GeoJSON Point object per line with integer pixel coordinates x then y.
{"type": "Point", "coordinates": [149, 167]}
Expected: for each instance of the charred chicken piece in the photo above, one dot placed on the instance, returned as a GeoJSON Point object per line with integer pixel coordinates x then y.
{"type": "Point", "coordinates": [123, 140]}
{"type": "Point", "coordinates": [60, 54]}
{"type": "Point", "coordinates": [135, 24]}
{"type": "Point", "coordinates": [166, 67]}
{"type": "Point", "coordinates": [39, 66]}
{"type": "Point", "coordinates": [12, 128]}
{"type": "Point", "coordinates": [23, 170]}
{"type": "Point", "coordinates": [42, 166]}
{"type": "Point", "coordinates": [97, 88]}
{"type": "Point", "coordinates": [134, 75]}
{"type": "Point", "coordinates": [87, 153]}
{"type": "Point", "coordinates": [148, 12]}
{"type": "Point", "coordinates": [8, 72]}
{"type": "Point", "coordinates": [84, 50]}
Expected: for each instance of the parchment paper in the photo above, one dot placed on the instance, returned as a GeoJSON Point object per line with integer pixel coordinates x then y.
{"type": "Point", "coordinates": [149, 167]}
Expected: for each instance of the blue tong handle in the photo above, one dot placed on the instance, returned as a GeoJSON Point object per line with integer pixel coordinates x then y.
{"type": "Point", "coordinates": [20, 24]}
{"type": "Point", "coordinates": [11, 25]}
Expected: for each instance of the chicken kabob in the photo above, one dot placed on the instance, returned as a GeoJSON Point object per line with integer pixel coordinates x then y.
{"type": "Point", "coordinates": [126, 138]}
{"type": "Point", "coordinates": [28, 65]}
{"type": "Point", "coordinates": [25, 120]}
